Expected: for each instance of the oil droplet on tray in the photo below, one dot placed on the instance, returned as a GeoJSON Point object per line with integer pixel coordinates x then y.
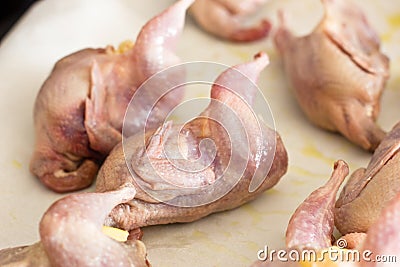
{"type": "Point", "coordinates": [394, 20]}
{"type": "Point", "coordinates": [240, 53]}
{"type": "Point", "coordinates": [17, 164]}
{"type": "Point", "coordinates": [298, 182]}
{"type": "Point", "coordinates": [272, 192]}
{"type": "Point", "coordinates": [253, 213]}
{"type": "Point", "coordinates": [304, 172]}
{"type": "Point", "coordinates": [311, 151]}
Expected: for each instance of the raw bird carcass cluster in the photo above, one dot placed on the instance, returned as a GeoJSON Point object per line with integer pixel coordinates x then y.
{"type": "Point", "coordinates": [337, 73]}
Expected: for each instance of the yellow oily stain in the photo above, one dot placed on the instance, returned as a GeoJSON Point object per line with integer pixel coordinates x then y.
{"type": "Point", "coordinates": [311, 151]}
{"type": "Point", "coordinates": [291, 194]}
{"type": "Point", "coordinates": [235, 223]}
{"type": "Point", "coordinates": [394, 25]}
{"type": "Point", "coordinates": [12, 215]}
{"type": "Point", "coordinates": [202, 95]}
{"type": "Point", "coordinates": [272, 53]}
{"type": "Point", "coordinates": [280, 193]}
{"type": "Point", "coordinates": [203, 237]}
{"type": "Point", "coordinates": [272, 192]}
{"type": "Point", "coordinates": [17, 164]}
{"type": "Point", "coordinates": [199, 235]}
{"type": "Point", "coordinates": [296, 182]}
{"type": "Point", "coordinates": [394, 83]}
{"type": "Point", "coordinates": [386, 37]}
{"type": "Point", "coordinates": [303, 172]}
{"type": "Point", "coordinates": [244, 56]}
{"type": "Point", "coordinates": [224, 250]}
{"type": "Point", "coordinates": [394, 21]}
{"type": "Point", "coordinates": [227, 234]}
{"type": "Point", "coordinates": [252, 212]}
{"type": "Point", "coordinates": [252, 246]}
{"type": "Point", "coordinates": [279, 212]}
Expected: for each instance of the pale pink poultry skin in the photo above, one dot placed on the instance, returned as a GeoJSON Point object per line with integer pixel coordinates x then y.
{"type": "Point", "coordinates": [145, 210]}
{"type": "Point", "coordinates": [338, 72]}
{"type": "Point", "coordinates": [224, 19]}
{"type": "Point", "coordinates": [79, 110]}
{"type": "Point", "coordinates": [312, 224]}
{"type": "Point", "coordinates": [70, 233]}
{"type": "Point", "coordinates": [306, 230]}
{"type": "Point", "coordinates": [370, 189]}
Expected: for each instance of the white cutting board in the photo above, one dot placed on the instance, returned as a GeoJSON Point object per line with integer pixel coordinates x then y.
{"type": "Point", "coordinates": [54, 28]}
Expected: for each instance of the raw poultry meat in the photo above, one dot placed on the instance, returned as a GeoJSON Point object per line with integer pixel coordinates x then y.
{"type": "Point", "coordinates": [180, 203]}
{"type": "Point", "coordinates": [71, 235]}
{"type": "Point", "coordinates": [79, 110]}
{"type": "Point", "coordinates": [370, 189]}
{"type": "Point", "coordinates": [225, 19]}
{"type": "Point", "coordinates": [338, 72]}
{"type": "Point", "coordinates": [312, 224]}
